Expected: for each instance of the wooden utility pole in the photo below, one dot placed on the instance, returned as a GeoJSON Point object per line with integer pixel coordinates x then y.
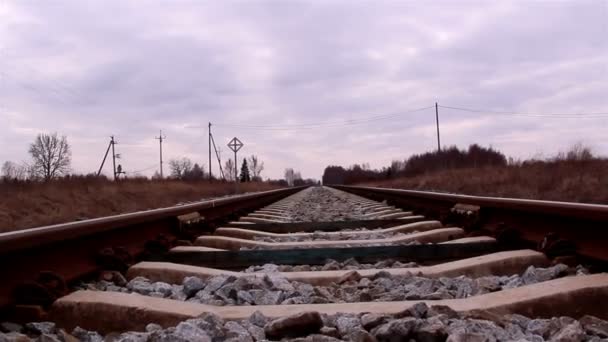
{"type": "Point", "coordinates": [112, 142]}
{"type": "Point", "coordinates": [210, 175]}
{"type": "Point", "coordinates": [437, 119]}
{"type": "Point", "coordinates": [160, 142]}
{"type": "Point", "coordinates": [104, 159]}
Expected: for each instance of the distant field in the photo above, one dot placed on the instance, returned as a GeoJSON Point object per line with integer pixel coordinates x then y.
{"type": "Point", "coordinates": [572, 181]}
{"type": "Point", "coordinates": [26, 205]}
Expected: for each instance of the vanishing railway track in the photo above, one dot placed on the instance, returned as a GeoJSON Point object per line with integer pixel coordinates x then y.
{"type": "Point", "coordinates": [402, 265]}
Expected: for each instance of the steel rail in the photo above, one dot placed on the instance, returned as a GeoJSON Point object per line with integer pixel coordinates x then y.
{"type": "Point", "coordinates": [72, 250]}
{"type": "Point", "coordinates": [585, 225]}
{"type": "Point", "coordinates": [26, 238]}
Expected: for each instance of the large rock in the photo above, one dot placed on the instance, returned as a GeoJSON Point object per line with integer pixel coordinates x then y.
{"type": "Point", "coordinates": [236, 331]}
{"type": "Point", "coordinates": [478, 326]}
{"type": "Point", "coordinates": [140, 285]}
{"type": "Point", "coordinates": [211, 323]}
{"type": "Point", "coordinates": [418, 310]}
{"type": "Point", "coordinates": [248, 283]}
{"type": "Point", "coordinates": [86, 336]}
{"type": "Point", "coordinates": [215, 283]}
{"type": "Point", "coordinates": [371, 320]}
{"type": "Point", "coordinates": [431, 330]}
{"type": "Point", "coordinates": [331, 266]}
{"type": "Point", "coordinates": [467, 337]}
{"type": "Point", "coordinates": [163, 288]}
{"type": "Point", "coordinates": [489, 283]}
{"type": "Point", "coordinates": [14, 337]}
{"type": "Point", "coordinates": [258, 318]}
{"type": "Point", "coordinates": [396, 330]}
{"type": "Point", "coordinates": [330, 331]}
{"type": "Point", "coordinates": [244, 297]}
{"type": "Point", "coordinates": [304, 289]}
{"type": "Point", "coordinates": [262, 297]}
{"type": "Point", "coordinates": [150, 327]}
{"type": "Point", "coordinates": [536, 275]}
{"type": "Point", "coordinates": [570, 333]}
{"type": "Point", "coordinates": [133, 336]}
{"type": "Point", "coordinates": [360, 335]}
{"type": "Point", "coordinates": [227, 293]}
{"type": "Point", "coordinates": [542, 327]}
{"type": "Point", "coordinates": [40, 327]}
{"type": "Point", "coordinates": [275, 282]}
{"type": "Point", "coordinates": [442, 310]}
{"type": "Point", "coordinates": [316, 338]}
{"type": "Point", "coordinates": [595, 326]}
{"type": "Point", "coordinates": [301, 324]}
{"type": "Point", "coordinates": [347, 324]}
{"type": "Point", "coordinates": [192, 285]}
{"type": "Point", "coordinates": [177, 292]}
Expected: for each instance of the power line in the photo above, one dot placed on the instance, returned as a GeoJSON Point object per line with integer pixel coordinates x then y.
{"type": "Point", "coordinates": [324, 124]}
{"type": "Point", "coordinates": [554, 115]}
{"type": "Point", "coordinates": [142, 170]}
{"type": "Point", "coordinates": [309, 126]}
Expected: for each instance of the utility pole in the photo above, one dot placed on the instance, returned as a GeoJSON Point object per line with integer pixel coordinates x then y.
{"type": "Point", "coordinates": [437, 119]}
{"type": "Point", "coordinates": [112, 142]}
{"type": "Point", "coordinates": [104, 159]}
{"type": "Point", "coordinates": [218, 154]}
{"type": "Point", "coordinates": [236, 178]}
{"type": "Point", "coordinates": [210, 175]}
{"type": "Point", "coordinates": [160, 142]}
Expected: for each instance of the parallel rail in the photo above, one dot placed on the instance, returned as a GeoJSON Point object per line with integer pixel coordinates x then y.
{"type": "Point", "coordinates": [73, 250]}
{"type": "Point", "coordinates": [583, 226]}
{"type": "Point", "coordinates": [446, 251]}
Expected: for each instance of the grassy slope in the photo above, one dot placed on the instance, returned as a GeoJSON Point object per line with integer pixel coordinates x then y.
{"type": "Point", "coordinates": [32, 205]}
{"type": "Point", "coordinates": [571, 181]}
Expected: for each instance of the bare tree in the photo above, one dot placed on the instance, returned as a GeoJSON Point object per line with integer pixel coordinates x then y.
{"type": "Point", "coordinates": [180, 167]}
{"type": "Point", "coordinates": [229, 170]}
{"type": "Point", "coordinates": [579, 152]}
{"type": "Point", "coordinates": [51, 156]}
{"type": "Point", "coordinates": [256, 166]}
{"type": "Point", "coordinates": [11, 171]}
{"type": "Point", "coordinates": [196, 173]}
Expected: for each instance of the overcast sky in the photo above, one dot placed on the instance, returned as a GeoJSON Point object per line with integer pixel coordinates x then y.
{"type": "Point", "coordinates": [90, 69]}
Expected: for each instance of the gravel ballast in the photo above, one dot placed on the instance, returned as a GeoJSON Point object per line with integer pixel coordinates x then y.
{"type": "Point", "coordinates": [322, 204]}
{"type": "Point", "coordinates": [330, 265]}
{"type": "Point", "coordinates": [274, 289]}
{"type": "Point", "coordinates": [420, 323]}
{"type": "Point", "coordinates": [322, 236]}
{"type": "Point", "coordinates": [309, 246]}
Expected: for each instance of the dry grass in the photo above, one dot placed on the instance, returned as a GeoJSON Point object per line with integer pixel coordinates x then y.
{"type": "Point", "coordinates": [26, 205]}
{"type": "Point", "coordinates": [583, 181]}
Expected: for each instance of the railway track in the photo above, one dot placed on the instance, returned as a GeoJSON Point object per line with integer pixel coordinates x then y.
{"type": "Point", "coordinates": [321, 264]}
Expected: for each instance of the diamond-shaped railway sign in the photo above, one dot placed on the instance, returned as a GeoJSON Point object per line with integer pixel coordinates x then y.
{"type": "Point", "coordinates": [235, 144]}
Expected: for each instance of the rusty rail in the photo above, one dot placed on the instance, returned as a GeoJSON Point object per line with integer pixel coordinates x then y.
{"type": "Point", "coordinates": [584, 227]}
{"type": "Point", "coordinates": [73, 250]}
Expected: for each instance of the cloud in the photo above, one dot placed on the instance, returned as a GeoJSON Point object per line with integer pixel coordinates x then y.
{"type": "Point", "coordinates": [90, 69]}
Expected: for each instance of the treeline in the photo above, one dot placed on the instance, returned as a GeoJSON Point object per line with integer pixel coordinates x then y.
{"type": "Point", "coordinates": [51, 159]}
{"type": "Point", "coordinates": [448, 158]}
